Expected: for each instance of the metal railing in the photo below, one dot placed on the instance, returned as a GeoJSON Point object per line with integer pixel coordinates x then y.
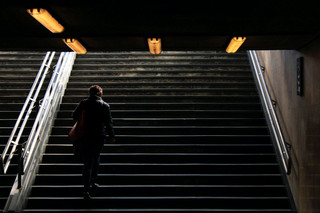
{"type": "Point", "coordinates": [271, 115]}
{"type": "Point", "coordinates": [24, 115]}
{"type": "Point", "coordinates": [48, 104]}
{"type": "Point", "coordinates": [31, 151]}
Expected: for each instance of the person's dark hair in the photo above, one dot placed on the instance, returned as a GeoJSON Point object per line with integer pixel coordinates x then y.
{"type": "Point", "coordinates": [95, 90]}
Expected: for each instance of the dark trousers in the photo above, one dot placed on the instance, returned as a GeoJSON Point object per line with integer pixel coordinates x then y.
{"type": "Point", "coordinates": [91, 161]}
{"type": "Point", "coordinates": [90, 170]}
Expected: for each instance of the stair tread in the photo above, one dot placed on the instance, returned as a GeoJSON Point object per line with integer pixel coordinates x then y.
{"type": "Point", "coordinates": [159, 210]}
{"type": "Point", "coordinates": [167, 119]}
{"type": "Point", "coordinates": [163, 164]}
{"type": "Point", "coordinates": [160, 197]}
{"type": "Point", "coordinates": [171, 127]}
{"type": "Point", "coordinates": [164, 175]}
{"type": "Point", "coordinates": [174, 154]}
{"type": "Point", "coordinates": [163, 186]}
{"type": "Point", "coordinates": [170, 110]}
{"type": "Point", "coordinates": [164, 58]}
{"type": "Point", "coordinates": [176, 136]}
{"type": "Point", "coordinates": [135, 53]}
{"type": "Point", "coordinates": [177, 77]}
{"type": "Point", "coordinates": [165, 65]}
{"type": "Point", "coordinates": [154, 89]}
{"type": "Point", "coordinates": [137, 96]}
{"type": "Point", "coordinates": [204, 145]}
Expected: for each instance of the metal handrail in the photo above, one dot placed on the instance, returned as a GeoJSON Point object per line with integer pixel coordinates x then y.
{"type": "Point", "coordinates": [51, 98]}
{"type": "Point", "coordinates": [29, 147]}
{"type": "Point", "coordinates": [30, 101]}
{"type": "Point", "coordinates": [276, 130]}
{"type": "Point", "coordinates": [39, 135]}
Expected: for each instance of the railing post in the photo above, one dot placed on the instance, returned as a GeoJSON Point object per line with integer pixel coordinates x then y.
{"type": "Point", "coordinates": [20, 165]}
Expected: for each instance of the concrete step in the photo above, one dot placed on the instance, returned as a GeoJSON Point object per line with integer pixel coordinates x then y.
{"type": "Point", "coordinates": [170, 122]}
{"type": "Point", "coordinates": [68, 158]}
{"type": "Point", "coordinates": [163, 98]}
{"type": "Point", "coordinates": [169, 168]}
{"type": "Point", "coordinates": [173, 130]}
{"type": "Point", "coordinates": [177, 139]}
{"type": "Point", "coordinates": [177, 114]}
{"type": "Point", "coordinates": [159, 79]}
{"type": "Point", "coordinates": [161, 202]}
{"type": "Point", "coordinates": [164, 179]}
{"type": "Point", "coordinates": [171, 148]}
{"type": "Point", "coordinates": [162, 190]}
{"type": "Point", "coordinates": [151, 72]}
{"type": "Point", "coordinates": [132, 84]}
{"type": "Point", "coordinates": [171, 106]}
{"type": "Point", "coordinates": [158, 91]}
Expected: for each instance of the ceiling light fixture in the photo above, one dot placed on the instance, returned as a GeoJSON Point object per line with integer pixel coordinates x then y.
{"type": "Point", "coordinates": [45, 18]}
{"type": "Point", "coordinates": [235, 44]}
{"type": "Point", "coordinates": [154, 45]}
{"type": "Point", "coordinates": [75, 45]}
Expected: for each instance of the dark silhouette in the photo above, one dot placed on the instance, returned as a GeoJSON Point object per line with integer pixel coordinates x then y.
{"type": "Point", "coordinates": [97, 122]}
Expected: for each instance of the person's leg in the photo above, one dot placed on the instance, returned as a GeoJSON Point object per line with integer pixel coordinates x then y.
{"type": "Point", "coordinates": [87, 173]}
{"type": "Point", "coordinates": [95, 168]}
{"type": "Point", "coordinates": [96, 164]}
{"type": "Point", "coordinates": [87, 169]}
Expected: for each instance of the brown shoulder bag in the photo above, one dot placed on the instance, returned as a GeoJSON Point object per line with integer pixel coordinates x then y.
{"type": "Point", "coordinates": [77, 131]}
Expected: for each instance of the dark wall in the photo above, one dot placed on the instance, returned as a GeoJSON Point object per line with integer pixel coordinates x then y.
{"type": "Point", "coordinates": [299, 117]}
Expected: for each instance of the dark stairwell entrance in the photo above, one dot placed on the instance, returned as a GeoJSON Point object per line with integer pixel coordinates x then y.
{"type": "Point", "coordinates": [191, 136]}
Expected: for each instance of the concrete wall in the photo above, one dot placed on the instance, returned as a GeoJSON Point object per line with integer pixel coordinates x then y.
{"type": "Point", "coordinates": [299, 117]}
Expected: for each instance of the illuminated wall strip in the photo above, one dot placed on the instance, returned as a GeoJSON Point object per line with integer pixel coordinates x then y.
{"type": "Point", "coordinates": [235, 44]}
{"type": "Point", "coordinates": [75, 45]}
{"type": "Point", "coordinates": [154, 45]}
{"type": "Point", "coordinates": [45, 18]}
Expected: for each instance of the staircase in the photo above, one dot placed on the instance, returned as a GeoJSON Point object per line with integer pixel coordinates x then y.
{"type": "Point", "coordinates": [17, 74]}
{"type": "Point", "coordinates": [191, 137]}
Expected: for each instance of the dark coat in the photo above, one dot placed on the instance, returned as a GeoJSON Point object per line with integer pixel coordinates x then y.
{"type": "Point", "coordinates": [98, 120]}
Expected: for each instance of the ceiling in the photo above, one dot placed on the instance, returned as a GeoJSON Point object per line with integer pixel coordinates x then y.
{"type": "Point", "coordinates": [119, 25]}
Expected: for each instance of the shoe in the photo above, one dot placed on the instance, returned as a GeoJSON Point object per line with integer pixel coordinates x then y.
{"type": "Point", "coordinates": [95, 185]}
{"type": "Point", "coordinates": [86, 196]}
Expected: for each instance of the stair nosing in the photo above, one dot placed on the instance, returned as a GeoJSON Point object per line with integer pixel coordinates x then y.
{"type": "Point", "coordinates": [163, 186]}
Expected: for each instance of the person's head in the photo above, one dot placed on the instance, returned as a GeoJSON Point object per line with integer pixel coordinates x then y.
{"type": "Point", "coordinates": [95, 90]}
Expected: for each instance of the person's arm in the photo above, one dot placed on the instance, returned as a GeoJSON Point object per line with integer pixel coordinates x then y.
{"type": "Point", "coordinates": [109, 124]}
